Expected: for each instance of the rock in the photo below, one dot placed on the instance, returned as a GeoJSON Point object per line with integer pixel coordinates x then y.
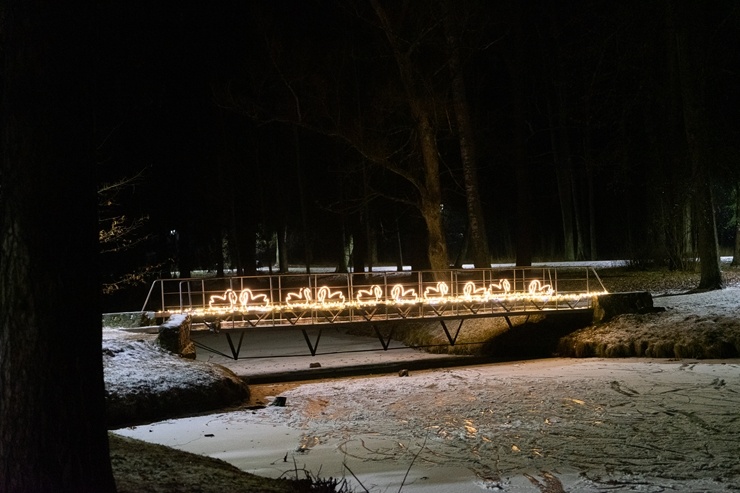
{"type": "Point", "coordinates": [128, 319]}
{"type": "Point", "coordinates": [314, 365]}
{"type": "Point", "coordinates": [189, 351]}
{"type": "Point", "coordinates": [145, 383]}
{"type": "Point", "coordinates": [403, 373]}
{"type": "Point", "coordinates": [608, 306]}
{"type": "Point", "coordinates": [174, 336]}
{"type": "Point", "coordinates": [279, 401]}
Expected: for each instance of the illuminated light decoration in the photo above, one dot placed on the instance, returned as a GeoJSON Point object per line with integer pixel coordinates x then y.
{"type": "Point", "coordinates": [503, 285]}
{"type": "Point", "coordinates": [403, 295]}
{"type": "Point", "coordinates": [244, 298]}
{"type": "Point", "coordinates": [374, 293]}
{"type": "Point", "coordinates": [437, 293]}
{"type": "Point", "coordinates": [326, 296]}
{"type": "Point", "coordinates": [473, 293]}
{"type": "Point", "coordinates": [537, 294]}
{"type": "Point", "coordinates": [303, 294]}
{"type": "Point", "coordinates": [537, 288]}
{"type": "Point", "coordinates": [229, 295]}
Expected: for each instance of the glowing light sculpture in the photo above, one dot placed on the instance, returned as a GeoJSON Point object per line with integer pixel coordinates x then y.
{"type": "Point", "coordinates": [473, 293]}
{"type": "Point", "coordinates": [370, 296]}
{"type": "Point", "coordinates": [347, 303]}
{"type": "Point", "coordinates": [247, 299]}
{"type": "Point", "coordinates": [229, 296]}
{"type": "Point", "coordinates": [536, 288]}
{"type": "Point", "coordinates": [326, 297]}
{"type": "Point", "coordinates": [436, 294]}
{"type": "Point", "coordinates": [401, 295]}
{"type": "Point", "coordinates": [503, 285]}
{"type": "Point", "coordinates": [303, 294]}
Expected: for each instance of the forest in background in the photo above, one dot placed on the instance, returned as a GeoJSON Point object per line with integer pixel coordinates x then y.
{"type": "Point", "coordinates": [423, 133]}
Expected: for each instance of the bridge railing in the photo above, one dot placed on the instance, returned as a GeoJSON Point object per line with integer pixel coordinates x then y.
{"type": "Point", "coordinates": [291, 299]}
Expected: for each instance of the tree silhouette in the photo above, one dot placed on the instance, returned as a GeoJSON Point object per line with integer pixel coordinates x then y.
{"type": "Point", "coordinates": [52, 414]}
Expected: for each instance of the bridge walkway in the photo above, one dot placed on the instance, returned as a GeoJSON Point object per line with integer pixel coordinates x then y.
{"type": "Point", "coordinates": [308, 302]}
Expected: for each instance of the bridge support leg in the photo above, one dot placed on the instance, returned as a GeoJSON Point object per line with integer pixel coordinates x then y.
{"type": "Point", "coordinates": [450, 338]}
{"type": "Point", "coordinates": [235, 350]}
{"type": "Point", "coordinates": [384, 341]}
{"type": "Point", "coordinates": [508, 321]}
{"type": "Point", "coordinates": [312, 346]}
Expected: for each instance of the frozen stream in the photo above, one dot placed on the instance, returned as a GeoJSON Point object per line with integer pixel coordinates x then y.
{"type": "Point", "coordinates": [547, 425]}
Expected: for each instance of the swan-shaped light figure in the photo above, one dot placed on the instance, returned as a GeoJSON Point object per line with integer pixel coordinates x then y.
{"type": "Point", "coordinates": [247, 299]}
{"type": "Point", "coordinates": [436, 294]}
{"type": "Point", "coordinates": [303, 297]}
{"type": "Point", "coordinates": [536, 288]}
{"type": "Point", "coordinates": [325, 296]}
{"type": "Point", "coordinates": [471, 292]}
{"type": "Point", "coordinates": [402, 295]}
{"type": "Point", "coordinates": [503, 285]}
{"type": "Point", "coordinates": [374, 293]}
{"type": "Point", "coordinates": [229, 296]}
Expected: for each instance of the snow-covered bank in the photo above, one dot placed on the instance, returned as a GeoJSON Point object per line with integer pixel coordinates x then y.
{"type": "Point", "coordinates": [144, 382]}
{"type": "Point", "coordinates": [701, 325]}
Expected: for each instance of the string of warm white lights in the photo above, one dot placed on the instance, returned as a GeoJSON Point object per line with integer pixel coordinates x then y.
{"type": "Point", "coordinates": [326, 298]}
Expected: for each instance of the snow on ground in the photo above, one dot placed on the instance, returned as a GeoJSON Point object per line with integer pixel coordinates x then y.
{"type": "Point", "coordinates": [144, 382]}
{"type": "Point", "coordinates": [589, 425]}
{"type": "Point", "coordinates": [578, 425]}
{"type": "Point", "coordinates": [702, 325]}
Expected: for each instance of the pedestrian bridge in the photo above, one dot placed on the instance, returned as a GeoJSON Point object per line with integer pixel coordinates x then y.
{"type": "Point", "coordinates": [303, 301]}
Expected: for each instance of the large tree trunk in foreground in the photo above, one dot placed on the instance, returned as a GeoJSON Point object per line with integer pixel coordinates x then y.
{"type": "Point", "coordinates": [52, 410]}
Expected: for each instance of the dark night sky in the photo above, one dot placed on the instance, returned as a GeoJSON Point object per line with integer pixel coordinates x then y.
{"type": "Point", "coordinates": [204, 98]}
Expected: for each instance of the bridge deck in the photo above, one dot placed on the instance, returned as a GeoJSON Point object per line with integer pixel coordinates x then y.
{"type": "Point", "coordinates": [307, 300]}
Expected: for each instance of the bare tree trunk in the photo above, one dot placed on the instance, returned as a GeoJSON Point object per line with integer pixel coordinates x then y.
{"type": "Point", "coordinates": [593, 251]}
{"type": "Point", "coordinates": [370, 239]}
{"type": "Point", "coordinates": [53, 434]}
{"type": "Point", "coordinates": [431, 198]}
{"type": "Point", "coordinates": [466, 137]}
{"type": "Point", "coordinates": [675, 197]}
{"type": "Point", "coordinates": [307, 250]}
{"type": "Point", "coordinates": [564, 182]}
{"type": "Point", "coordinates": [573, 242]}
{"type": "Point", "coordinates": [282, 249]}
{"type": "Point", "coordinates": [689, 28]}
{"type": "Point", "coordinates": [524, 214]}
{"type": "Point", "coordinates": [429, 188]}
{"type": "Point", "coordinates": [399, 260]}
